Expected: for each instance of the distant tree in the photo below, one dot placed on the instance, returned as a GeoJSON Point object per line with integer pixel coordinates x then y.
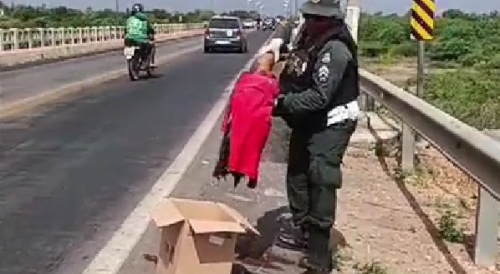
{"type": "Point", "coordinates": [454, 14]}
{"type": "Point", "coordinates": [25, 16]}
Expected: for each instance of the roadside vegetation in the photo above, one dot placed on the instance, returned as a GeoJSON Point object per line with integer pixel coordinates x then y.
{"type": "Point", "coordinates": [464, 60]}
{"type": "Point", "coordinates": [24, 16]}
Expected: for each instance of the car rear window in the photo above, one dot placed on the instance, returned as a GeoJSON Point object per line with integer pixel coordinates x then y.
{"type": "Point", "coordinates": [224, 24]}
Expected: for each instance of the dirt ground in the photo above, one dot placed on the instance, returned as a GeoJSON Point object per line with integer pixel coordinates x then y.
{"type": "Point", "coordinates": [402, 73]}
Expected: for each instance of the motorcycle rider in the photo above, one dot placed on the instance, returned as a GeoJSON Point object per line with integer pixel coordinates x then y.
{"type": "Point", "coordinates": [139, 32]}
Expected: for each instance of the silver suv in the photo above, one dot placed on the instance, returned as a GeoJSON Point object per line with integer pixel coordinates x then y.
{"type": "Point", "coordinates": [225, 32]}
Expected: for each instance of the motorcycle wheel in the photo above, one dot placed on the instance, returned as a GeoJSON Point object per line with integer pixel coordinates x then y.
{"type": "Point", "coordinates": [133, 68]}
{"type": "Point", "coordinates": [149, 71]}
{"type": "Point", "coordinates": [148, 68]}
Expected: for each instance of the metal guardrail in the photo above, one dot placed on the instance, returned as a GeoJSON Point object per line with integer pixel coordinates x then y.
{"type": "Point", "coordinates": [29, 38]}
{"type": "Point", "coordinates": [472, 151]}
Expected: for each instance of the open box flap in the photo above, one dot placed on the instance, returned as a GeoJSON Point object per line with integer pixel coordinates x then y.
{"type": "Point", "coordinates": [238, 218]}
{"type": "Point", "coordinates": [167, 214]}
{"type": "Point", "coordinates": [207, 226]}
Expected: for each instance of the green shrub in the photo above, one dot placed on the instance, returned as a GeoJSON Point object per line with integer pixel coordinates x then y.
{"type": "Point", "coordinates": [472, 97]}
{"type": "Point", "coordinates": [373, 49]}
{"type": "Point", "coordinates": [407, 49]}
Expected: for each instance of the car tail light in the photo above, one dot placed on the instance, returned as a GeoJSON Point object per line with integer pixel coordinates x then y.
{"type": "Point", "coordinates": [239, 33]}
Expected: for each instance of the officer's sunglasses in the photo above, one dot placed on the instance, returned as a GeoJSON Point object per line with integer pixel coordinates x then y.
{"type": "Point", "coordinates": [316, 18]}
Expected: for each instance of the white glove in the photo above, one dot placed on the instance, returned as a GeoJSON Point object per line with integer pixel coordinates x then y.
{"type": "Point", "coordinates": [273, 46]}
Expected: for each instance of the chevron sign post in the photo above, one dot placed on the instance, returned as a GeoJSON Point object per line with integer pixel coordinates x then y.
{"type": "Point", "coordinates": [422, 19]}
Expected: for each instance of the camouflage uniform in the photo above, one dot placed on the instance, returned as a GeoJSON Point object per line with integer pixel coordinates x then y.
{"type": "Point", "coordinates": [320, 87]}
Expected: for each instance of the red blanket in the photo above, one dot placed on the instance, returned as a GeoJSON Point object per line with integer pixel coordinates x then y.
{"type": "Point", "coordinates": [247, 125]}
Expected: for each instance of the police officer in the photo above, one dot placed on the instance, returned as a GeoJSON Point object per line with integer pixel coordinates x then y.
{"type": "Point", "coordinates": [320, 87]}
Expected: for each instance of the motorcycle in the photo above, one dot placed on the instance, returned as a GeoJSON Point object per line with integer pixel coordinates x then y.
{"type": "Point", "coordinates": [137, 60]}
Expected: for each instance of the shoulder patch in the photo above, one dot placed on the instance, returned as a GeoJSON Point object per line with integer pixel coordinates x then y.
{"type": "Point", "coordinates": [327, 58]}
{"type": "Point", "coordinates": [323, 74]}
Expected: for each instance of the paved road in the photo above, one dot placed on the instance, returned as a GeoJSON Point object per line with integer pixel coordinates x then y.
{"type": "Point", "coordinates": [70, 174]}
{"type": "Point", "coordinates": [21, 83]}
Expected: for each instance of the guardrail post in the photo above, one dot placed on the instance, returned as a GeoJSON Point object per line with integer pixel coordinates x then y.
{"type": "Point", "coordinates": [487, 217]}
{"type": "Point", "coordinates": [408, 140]}
{"type": "Point", "coordinates": [407, 149]}
{"type": "Point", "coordinates": [41, 37]}
{"type": "Point", "coordinates": [30, 41]}
{"type": "Point", "coordinates": [2, 38]}
{"type": "Point", "coordinates": [15, 38]}
{"type": "Point", "coordinates": [369, 103]}
{"type": "Point", "coordinates": [52, 37]}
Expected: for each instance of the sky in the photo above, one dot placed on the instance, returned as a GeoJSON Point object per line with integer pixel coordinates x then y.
{"type": "Point", "coordinates": [271, 6]}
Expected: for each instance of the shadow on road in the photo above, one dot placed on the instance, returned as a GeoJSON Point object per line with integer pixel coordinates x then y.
{"type": "Point", "coordinates": [255, 246]}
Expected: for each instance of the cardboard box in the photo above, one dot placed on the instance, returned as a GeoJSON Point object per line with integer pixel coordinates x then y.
{"type": "Point", "coordinates": [198, 237]}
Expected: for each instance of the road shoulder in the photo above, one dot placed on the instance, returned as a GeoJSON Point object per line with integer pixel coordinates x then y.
{"type": "Point", "coordinates": [377, 228]}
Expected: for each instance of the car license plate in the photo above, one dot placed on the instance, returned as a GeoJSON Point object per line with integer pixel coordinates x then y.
{"type": "Point", "coordinates": [222, 42]}
{"type": "Point", "coordinates": [129, 51]}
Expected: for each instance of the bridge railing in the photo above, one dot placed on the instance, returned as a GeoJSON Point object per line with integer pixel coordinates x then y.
{"type": "Point", "coordinates": [29, 38]}
{"type": "Point", "coordinates": [472, 151]}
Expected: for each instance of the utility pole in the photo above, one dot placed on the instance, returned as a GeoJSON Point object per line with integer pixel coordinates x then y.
{"type": "Point", "coordinates": [420, 68]}
{"type": "Point", "coordinates": [296, 9]}
{"type": "Point", "coordinates": [286, 4]}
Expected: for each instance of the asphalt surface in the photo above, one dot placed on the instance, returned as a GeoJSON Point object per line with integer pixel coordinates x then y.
{"type": "Point", "coordinates": [71, 172]}
{"type": "Point", "coordinates": [25, 82]}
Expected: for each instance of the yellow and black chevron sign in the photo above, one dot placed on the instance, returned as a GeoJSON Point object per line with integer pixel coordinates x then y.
{"type": "Point", "coordinates": [422, 19]}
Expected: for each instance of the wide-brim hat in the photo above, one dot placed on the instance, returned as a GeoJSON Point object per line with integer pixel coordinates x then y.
{"type": "Point", "coordinates": [325, 8]}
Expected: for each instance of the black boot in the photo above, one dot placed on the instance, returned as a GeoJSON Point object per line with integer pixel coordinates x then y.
{"type": "Point", "coordinates": [313, 268]}
{"type": "Point", "coordinates": [319, 255]}
{"type": "Point", "coordinates": [292, 237]}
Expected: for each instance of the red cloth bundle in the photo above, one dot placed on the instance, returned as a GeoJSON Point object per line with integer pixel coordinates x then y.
{"type": "Point", "coordinates": [246, 126]}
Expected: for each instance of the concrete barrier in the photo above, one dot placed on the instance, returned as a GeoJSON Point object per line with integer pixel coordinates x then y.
{"type": "Point", "coordinates": [21, 46]}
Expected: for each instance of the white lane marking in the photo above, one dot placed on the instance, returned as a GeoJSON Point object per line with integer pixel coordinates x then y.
{"type": "Point", "coordinates": [112, 256]}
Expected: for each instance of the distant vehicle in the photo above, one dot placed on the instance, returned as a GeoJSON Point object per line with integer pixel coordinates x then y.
{"type": "Point", "coordinates": [269, 23]}
{"type": "Point", "coordinates": [248, 23]}
{"type": "Point", "coordinates": [225, 32]}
